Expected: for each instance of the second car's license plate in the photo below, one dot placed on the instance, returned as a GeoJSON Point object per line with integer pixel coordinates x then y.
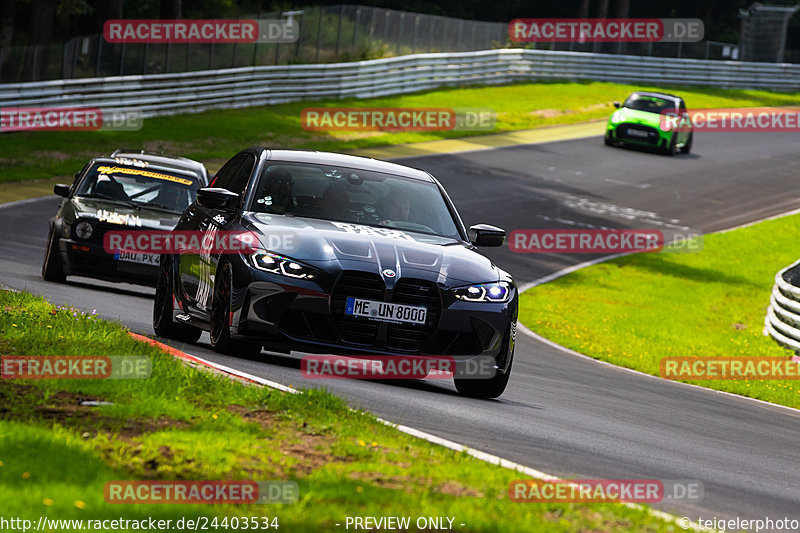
{"type": "Point", "coordinates": [637, 133]}
{"type": "Point", "coordinates": [142, 259]}
{"type": "Point", "coordinates": [411, 314]}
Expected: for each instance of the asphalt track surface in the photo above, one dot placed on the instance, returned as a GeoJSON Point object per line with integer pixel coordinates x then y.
{"type": "Point", "coordinates": [562, 414]}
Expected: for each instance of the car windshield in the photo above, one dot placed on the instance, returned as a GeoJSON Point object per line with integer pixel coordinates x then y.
{"type": "Point", "coordinates": [354, 196]}
{"type": "Point", "coordinates": [146, 187]}
{"type": "Point", "coordinates": [651, 104]}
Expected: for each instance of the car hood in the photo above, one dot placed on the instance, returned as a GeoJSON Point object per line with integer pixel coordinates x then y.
{"type": "Point", "coordinates": [633, 116]}
{"type": "Point", "coordinates": [119, 214]}
{"type": "Point", "coordinates": [446, 261]}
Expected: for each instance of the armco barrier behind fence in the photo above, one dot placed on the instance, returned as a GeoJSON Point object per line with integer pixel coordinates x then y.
{"type": "Point", "coordinates": [165, 94]}
{"type": "Point", "coordinates": [782, 322]}
{"type": "Point", "coordinates": [327, 34]}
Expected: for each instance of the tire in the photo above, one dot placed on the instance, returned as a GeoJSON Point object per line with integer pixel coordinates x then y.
{"type": "Point", "coordinates": [687, 148]}
{"type": "Point", "coordinates": [608, 140]}
{"type": "Point", "coordinates": [670, 150]}
{"type": "Point", "coordinates": [163, 323]}
{"type": "Point", "coordinates": [492, 387]}
{"type": "Point", "coordinates": [221, 340]}
{"type": "Point", "coordinates": [52, 267]}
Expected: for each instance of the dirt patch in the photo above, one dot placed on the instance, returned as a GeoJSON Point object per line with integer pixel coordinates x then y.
{"type": "Point", "coordinates": [382, 480]}
{"type": "Point", "coordinates": [546, 113]}
{"type": "Point", "coordinates": [25, 402]}
{"type": "Point", "coordinates": [457, 489]}
{"type": "Point", "coordinates": [54, 155]}
{"type": "Point", "coordinates": [311, 451]}
{"type": "Point", "coordinates": [168, 147]}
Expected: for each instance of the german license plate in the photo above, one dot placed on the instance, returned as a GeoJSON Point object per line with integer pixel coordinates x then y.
{"type": "Point", "coordinates": [637, 133]}
{"type": "Point", "coordinates": [386, 312]}
{"type": "Point", "coordinates": [142, 259]}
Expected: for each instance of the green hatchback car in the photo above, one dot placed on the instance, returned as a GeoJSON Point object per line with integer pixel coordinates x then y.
{"type": "Point", "coordinates": [653, 120]}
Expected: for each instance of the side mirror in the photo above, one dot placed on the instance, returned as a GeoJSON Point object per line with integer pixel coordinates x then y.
{"type": "Point", "coordinates": [486, 235]}
{"type": "Point", "coordinates": [217, 198]}
{"type": "Point", "coordinates": [61, 189]}
{"type": "Point", "coordinates": [617, 104]}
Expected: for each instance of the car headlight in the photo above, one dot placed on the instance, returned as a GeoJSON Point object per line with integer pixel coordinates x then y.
{"type": "Point", "coordinates": [665, 125]}
{"type": "Point", "coordinates": [484, 292]}
{"type": "Point", "coordinates": [284, 266]}
{"type": "Point", "coordinates": [616, 117]}
{"type": "Point", "coordinates": [83, 230]}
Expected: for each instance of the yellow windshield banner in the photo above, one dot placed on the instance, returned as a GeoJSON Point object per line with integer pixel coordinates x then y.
{"type": "Point", "coordinates": [142, 172]}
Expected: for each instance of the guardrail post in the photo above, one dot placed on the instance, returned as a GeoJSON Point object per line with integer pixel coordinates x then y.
{"type": "Point", "coordinates": [400, 34]}
{"type": "Point", "coordinates": [122, 60]}
{"type": "Point", "coordinates": [414, 35]}
{"type": "Point", "coordinates": [301, 31]}
{"type": "Point", "coordinates": [354, 47]}
{"type": "Point", "coordinates": [339, 31]}
{"type": "Point", "coordinates": [319, 34]}
{"type": "Point", "coordinates": [99, 53]}
{"type": "Point", "coordinates": [166, 57]}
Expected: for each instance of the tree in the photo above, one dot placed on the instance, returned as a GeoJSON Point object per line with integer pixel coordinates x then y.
{"type": "Point", "coordinates": [171, 9]}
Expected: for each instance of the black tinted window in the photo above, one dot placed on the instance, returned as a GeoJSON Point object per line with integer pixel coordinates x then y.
{"type": "Point", "coordinates": [240, 178]}
{"type": "Point", "coordinates": [651, 104]}
{"type": "Point", "coordinates": [225, 176]}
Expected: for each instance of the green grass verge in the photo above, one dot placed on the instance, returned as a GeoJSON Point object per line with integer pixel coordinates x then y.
{"type": "Point", "coordinates": [214, 136]}
{"type": "Point", "coordinates": [635, 310]}
{"type": "Point", "coordinates": [183, 423]}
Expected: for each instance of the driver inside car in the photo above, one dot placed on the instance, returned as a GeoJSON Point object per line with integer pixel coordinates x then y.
{"type": "Point", "coordinates": [394, 207]}
{"type": "Point", "coordinates": [275, 192]}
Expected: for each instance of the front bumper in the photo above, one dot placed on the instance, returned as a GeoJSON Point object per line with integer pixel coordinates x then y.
{"type": "Point", "coordinates": [89, 259]}
{"type": "Point", "coordinates": [308, 316]}
{"type": "Point", "coordinates": [648, 136]}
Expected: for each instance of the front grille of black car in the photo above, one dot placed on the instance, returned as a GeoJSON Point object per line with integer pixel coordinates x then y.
{"type": "Point", "coordinates": [383, 335]}
{"type": "Point", "coordinates": [356, 285]}
{"type": "Point", "coordinates": [624, 133]}
{"type": "Point", "coordinates": [410, 337]}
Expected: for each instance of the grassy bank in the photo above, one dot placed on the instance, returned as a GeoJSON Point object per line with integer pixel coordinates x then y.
{"type": "Point", "coordinates": [214, 136]}
{"type": "Point", "coordinates": [56, 453]}
{"type": "Point", "coordinates": [636, 310]}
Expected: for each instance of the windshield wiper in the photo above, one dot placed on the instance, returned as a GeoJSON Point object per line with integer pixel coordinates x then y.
{"type": "Point", "coordinates": [107, 197]}
{"type": "Point", "coordinates": [156, 205]}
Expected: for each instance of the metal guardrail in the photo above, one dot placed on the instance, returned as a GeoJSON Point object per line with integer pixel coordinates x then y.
{"type": "Point", "coordinates": [166, 94]}
{"type": "Point", "coordinates": [782, 322]}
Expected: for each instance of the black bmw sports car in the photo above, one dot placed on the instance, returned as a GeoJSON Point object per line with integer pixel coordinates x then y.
{"type": "Point", "coordinates": [131, 191]}
{"type": "Point", "coordinates": [353, 256]}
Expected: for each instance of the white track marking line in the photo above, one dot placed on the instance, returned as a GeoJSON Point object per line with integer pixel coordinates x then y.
{"type": "Point", "coordinates": [433, 439]}
{"type": "Point", "coordinates": [574, 268]}
{"type": "Point", "coordinates": [26, 201]}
